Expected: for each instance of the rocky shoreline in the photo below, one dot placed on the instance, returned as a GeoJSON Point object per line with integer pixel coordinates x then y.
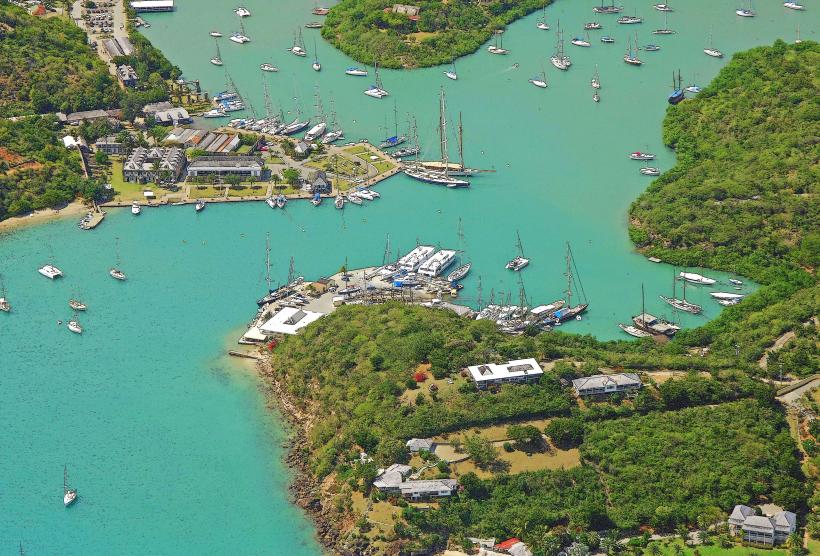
{"type": "Point", "coordinates": [305, 490]}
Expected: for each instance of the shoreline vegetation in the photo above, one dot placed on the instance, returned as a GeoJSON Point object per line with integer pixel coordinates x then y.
{"type": "Point", "coordinates": [371, 30]}
{"type": "Point", "coordinates": [676, 457]}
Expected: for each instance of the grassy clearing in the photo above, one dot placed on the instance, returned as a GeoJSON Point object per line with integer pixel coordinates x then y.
{"type": "Point", "coordinates": [356, 149]}
{"type": "Point", "coordinates": [246, 191]}
{"type": "Point", "coordinates": [206, 192]}
{"type": "Point", "coordinates": [127, 191]}
{"type": "Point", "coordinates": [715, 550]}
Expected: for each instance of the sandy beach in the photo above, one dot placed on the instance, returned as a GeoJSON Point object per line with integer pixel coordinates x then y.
{"type": "Point", "coordinates": [75, 208]}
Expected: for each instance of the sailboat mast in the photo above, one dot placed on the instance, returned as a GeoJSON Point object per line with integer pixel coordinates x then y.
{"type": "Point", "coordinates": [65, 479]}
{"type": "Point", "coordinates": [267, 259]}
{"type": "Point", "coordinates": [460, 143]}
{"type": "Point", "coordinates": [395, 119]}
{"type": "Point", "coordinates": [442, 118]}
{"type": "Point", "coordinates": [569, 280]}
{"type": "Point", "coordinates": [643, 307]}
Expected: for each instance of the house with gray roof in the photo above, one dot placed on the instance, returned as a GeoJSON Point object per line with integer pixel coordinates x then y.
{"type": "Point", "coordinates": [762, 530]}
{"type": "Point", "coordinates": [172, 116]}
{"type": "Point", "coordinates": [127, 75]}
{"type": "Point", "coordinates": [109, 145]}
{"type": "Point", "coordinates": [415, 445]}
{"type": "Point", "coordinates": [606, 384]}
{"type": "Point", "coordinates": [435, 488]}
{"type": "Point", "coordinates": [155, 164]}
{"type": "Point", "coordinates": [390, 479]}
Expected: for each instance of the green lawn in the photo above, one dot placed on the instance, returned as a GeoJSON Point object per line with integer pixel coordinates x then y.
{"type": "Point", "coordinates": [356, 150]}
{"type": "Point", "coordinates": [243, 149]}
{"type": "Point", "coordinates": [125, 191]}
{"type": "Point", "coordinates": [275, 160]}
{"type": "Point", "coordinates": [206, 192]}
{"type": "Point", "coordinates": [715, 550]}
{"type": "Point", "coordinates": [247, 191]}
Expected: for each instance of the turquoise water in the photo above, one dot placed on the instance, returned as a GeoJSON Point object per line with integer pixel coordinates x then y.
{"type": "Point", "coordinates": [166, 441]}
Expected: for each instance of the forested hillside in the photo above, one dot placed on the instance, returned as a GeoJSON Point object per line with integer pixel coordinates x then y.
{"type": "Point", "coordinates": [743, 194]}
{"type": "Point", "coordinates": [47, 66]}
{"type": "Point", "coordinates": [368, 30]}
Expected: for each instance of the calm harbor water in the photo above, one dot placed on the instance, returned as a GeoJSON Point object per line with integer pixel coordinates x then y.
{"type": "Point", "coordinates": [166, 441]}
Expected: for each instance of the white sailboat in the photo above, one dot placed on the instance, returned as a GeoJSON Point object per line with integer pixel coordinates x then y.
{"type": "Point", "coordinates": [316, 65]}
{"type": "Point", "coordinates": [5, 306]}
{"type": "Point", "coordinates": [298, 48]}
{"type": "Point", "coordinates": [498, 46]}
{"type": "Point", "coordinates": [451, 73]}
{"type": "Point", "coordinates": [518, 262]}
{"type": "Point", "coordinates": [74, 326]}
{"type": "Point", "coordinates": [69, 494]}
{"type": "Point", "coordinates": [695, 278]}
{"type": "Point", "coordinates": [559, 59]}
{"type": "Point", "coordinates": [135, 208]}
{"type": "Point", "coordinates": [596, 79]}
{"type": "Point", "coordinates": [377, 89]}
{"type": "Point", "coordinates": [711, 50]}
{"type": "Point", "coordinates": [239, 37]}
{"type": "Point", "coordinates": [582, 41]}
{"type": "Point", "coordinates": [217, 60]}
{"type": "Point", "coordinates": [542, 22]}
{"type": "Point", "coordinates": [631, 56]}
{"type": "Point", "coordinates": [540, 81]}
{"type": "Point", "coordinates": [115, 272]}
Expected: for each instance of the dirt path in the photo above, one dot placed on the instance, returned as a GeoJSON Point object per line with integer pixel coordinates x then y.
{"type": "Point", "coordinates": [779, 343]}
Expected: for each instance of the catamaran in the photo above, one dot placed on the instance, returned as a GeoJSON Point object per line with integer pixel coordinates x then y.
{"type": "Point", "coordinates": [540, 80]}
{"type": "Point", "coordinates": [298, 48]}
{"type": "Point", "coordinates": [50, 271]}
{"type": "Point", "coordinates": [677, 94]}
{"type": "Point", "coordinates": [377, 89]}
{"type": "Point", "coordinates": [568, 311]}
{"type": "Point", "coordinates": [69, 494]}
{"type": "Point", "coordinates": [240, 37]}
{"type": "Point", "coordinates": [518, 262]}
{"type": "Point", "coordinates": [498, 46]}
{"type": "Point", "coordinates": [559, 59]}
{"type": "Point", "coordinates": [281, 201]}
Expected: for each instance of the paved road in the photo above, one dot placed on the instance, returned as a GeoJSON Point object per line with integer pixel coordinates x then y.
{"type": "Point", "coordinates": [795, 395]}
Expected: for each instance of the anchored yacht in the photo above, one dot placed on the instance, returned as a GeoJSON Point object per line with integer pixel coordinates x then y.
{"type": "Point", "coordinates": [50, 271]}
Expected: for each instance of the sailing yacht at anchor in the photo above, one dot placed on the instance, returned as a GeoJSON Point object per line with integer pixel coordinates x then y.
{"type": "Point", "coordinates": [518, 262]}
{"type": "Point", "coordinates": [559, 59]}
{"type": "Point", "coordinates": [376, 90]}
{"type": "Point", "coordinates": [568, 312]}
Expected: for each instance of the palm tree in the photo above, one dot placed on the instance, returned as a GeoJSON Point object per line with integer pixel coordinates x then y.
{"type": "Point", "coordinates": [677, 549]}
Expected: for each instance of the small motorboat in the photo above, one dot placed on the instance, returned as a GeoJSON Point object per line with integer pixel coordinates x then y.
{"type": "Point", "coordinates": [517, 263]}
{"type": "Point", "coordinates": [743, 12]}
{"type": "Point", "coordinates": [355, 198]}
{"type": "Point", "coordinates": [459, 273]}
{"type": "Point", "coordinates": [268, 67]}
{"type": "Point", "coordinates": [650, 171]}
{"type": "Point", "coordinates": [543, 25]}
{"type": "Point", "coordinates": [117, 274]}
{"type": "Point", "coordinates": [726, 295]}
{"type": "Point", "coordinates": [215, 34]}
{"type": "Point", "coordinates": [651, 48]}
{"type": "Point", "coordinates": [320, 11]}
{"type": "Point", "coordinates": [200, 205]}
{"type": "Point", "coordinates": [713, 52]}
{"type": "Point", "coordinates": [242, 12]}
{"type": "Point", "coordinates": [339, 202]}
{"type": "Point", "coordinates": [693, 89]}
{"type": "Point", "coordinates": [75, 327]}
{"type": "Point", "coordinates": [638, 155]}
{"type": "Point", "coordinates": [581, 41]}
{"type": "Point", "coordinates": [592, 25]}
{"type": "Point", "coordinates": [634, 331]}
{"type": "Point", "coordinates": [50, 271]}
{"type": "Point", "coordinates": [451, 74]}
{"type": "Point", "coordinates": [271, 202]}
{"type": "Point", "coordinates": [135, 208]}
{"type": "Point", "coordinates": [313, 25]}
{"type": "Point", "coordinates": [216, 60]}
{"type": "Point", "coordinates": [793, 6]}
{"type": "Point", "coordinates": [596, 97]}
{"type": "Point", "coordinates": [356, 72]}
{"type": "Point", "coordinates": [317, 200]}
{"type": "Point", "coordinates": [662, 7]}
{"type": "Point", "coordinates": [281, 201]}
{"type": "Point", "coordinates": [735, 282]}
{"type": "Point", "coordinates": [606, 39]}
{"type": "Point", "coordinates": [5, 306]}
{"type": "Point", "coordinates": [77, 305]}
{"type": "Point", "coordinates": [728, 302]}
{"type": "Point", "coordinates": [629, 20]}
{"type": "Point", "coordinates": [215, 113]}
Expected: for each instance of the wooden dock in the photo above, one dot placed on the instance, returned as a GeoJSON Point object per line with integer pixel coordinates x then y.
{"type": "Point", "coordinates": [96, 218]}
